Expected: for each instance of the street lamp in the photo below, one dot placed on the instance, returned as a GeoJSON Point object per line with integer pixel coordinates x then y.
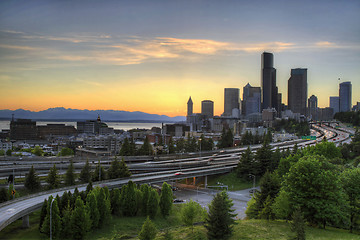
{"type": "Point", "coordinates": [51, 217]}
{"type": "Point", "coordinates": [200, 146]}
{"type": "Point", "coordinates": [254, 177]}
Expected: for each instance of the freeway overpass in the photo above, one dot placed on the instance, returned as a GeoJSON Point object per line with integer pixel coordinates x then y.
{"type": "Point", "coordinates": [222, 162]}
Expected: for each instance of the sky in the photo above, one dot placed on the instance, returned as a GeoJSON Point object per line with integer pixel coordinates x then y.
{"type": "Point", "coordinates": [151, 56]}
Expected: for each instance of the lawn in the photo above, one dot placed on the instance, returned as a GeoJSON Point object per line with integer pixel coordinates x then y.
{"type": "Point", "coordinates": [231, 180]}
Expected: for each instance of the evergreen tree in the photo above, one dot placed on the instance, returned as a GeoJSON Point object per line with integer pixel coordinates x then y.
{"type": "Point", "coordinates": [190, 211]}
{"type": "Point", "coordinates": [180, 145]}
{"type": "Point", "coordinates": [132, 148]}
{"type": "Point", "coordinates": [125, 148]}
{"type": "Point", "coordinates": [166, 199]}
{"type": "Point", "coordinates": [128, 200]}
{"type": "Point", "coordinates": [104, 206]}
{"type": "Point", "coordinates": [298, 225]}
{"type": "Point", "coordinates": [53, 178]}
{"type": "Point", "coordinates": [171, 146]}
{"type": "Point", "coordinates": [92, 209]}
{"type": "Point", "coordinates": [266, 212]}
{"type": "Point", "coordinates": [114, 169]}
{"type": "Point", "coordinates": [148, 230]}
{"type": "Point", "coordinates": [85, 174]}
{"type": "Point", "coordinates": [65, 201]}
{"type": "Point", "coordinates": [153, 203]}
{"type": "Point", "coordinates": [263, 158]}
{"type": "Point", "coordinates": [115, 202]}
{"type": "Point", "coordinates": [145, 189]}
{"type": "Point", "coordinates": [146, 148]}
{"type": "Point", "coordinates": [32, 181]}
{"type": "Point", "coordinates": [70, 176]}
{"type": "Point", "coordinates": [220, 217]}
{"type": "Point", "coordinates": [43, 213]}
{"type": "Point", "coordinates": [95, 176]}
{"type": "Point", "coordinates": [66, 222]}
{"type": "Point", "coordinates": [55, 219]}
{"type": "Point", "coordinates": [80, 220]}
{"type": "Point", "coordinates": [89, 187]}
{"type": "Point", "coordinates": [124, 170]}
{"type": "Point", "coordinates": [275, 160]}
{"type": "Point", "coordinates": [246, 165]}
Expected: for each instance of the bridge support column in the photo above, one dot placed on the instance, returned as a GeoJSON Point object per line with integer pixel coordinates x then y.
{"type": "Point", "coordinates": [205, 181]}
{"type": "Point", "coordinates": [25, 223]}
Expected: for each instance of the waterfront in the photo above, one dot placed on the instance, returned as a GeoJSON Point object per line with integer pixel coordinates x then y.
{"type": "Point", "coordinates": [4, 124]}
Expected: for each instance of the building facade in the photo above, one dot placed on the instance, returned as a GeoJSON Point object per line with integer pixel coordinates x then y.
{"type": "Point", "coordinates": [312, 107]}
{"type": "Point", "coordinates": [251, 100]}
{"type": "Point", "coordinates": [345, 95]}
{"type": "Point", "coordinates": [297, 91]}
{"type": "Point", "coordinates": [335, 104]}
{"type": "Point", "coordinates": [23, 129]}
{"type": "Point", "coordinates": [268, 82]}
{"type": "Point", "coordinates": [231, 100]}
{"type": "Point", "coordinates": [207, 108]}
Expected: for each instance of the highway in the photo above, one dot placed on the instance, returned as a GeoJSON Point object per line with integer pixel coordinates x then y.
{"type": "Point", "coordinates": [220, 162]}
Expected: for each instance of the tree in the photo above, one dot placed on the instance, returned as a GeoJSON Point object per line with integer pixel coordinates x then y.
{"type": "Point", "coordinates": [171, 146]}
{"type": "Point", "coordinates": [313, 185]}
{"type": "Point", "coordinates": [3, 195]}
{"type": "Point", "coordinates": [145, 189]}
{"type": "Point", "coordinates": [129, 200]}
{"type": "Point", "coordinates": [66, 227]}
{"type": "Point", "coordinates": [350, 180]}
{"type": "Point", "coordinates": [153, 203]}
{"type": "Point", "coordinates": [103, 205]}
{"type": "Point", "coordinates": [96, 176]}
{"type": "Point", "coordinates": [190, 211]}
{"type": "Point", "coordinates": [43, 213]}
{"type": "Point", "coordinates": [115, 202]}
{"type": "Point", "coordinates": [125, 148]}
{"type": "Point", "coordinates": [166, 199]}
{"type": "Point", "coordinates": [298, 225]}
{"type": "Point", "coordinates": [66, 152]}
{"type": "Point", "coordinates": [180, 145]}
{"type": "Point", "coordinates": [38, 151]}
{"type": "Point", "coordinates": [85, 174]}
{"type": "Point", "coordinates": [124, 170]}
{"type": "Point", "coordinates": [263, 158]}
{"type": "Point", "coordinates": [32, 181]}
{"type": "Point", "coordinates": [70, 176]}
{"type": "Point", "coordinates": [53, 178]}
{"type": "Point", "coordinates": [80, 220]}
{"type": "Point", "coordinates": [245, 165]}
{"type": "Point", "coordinates": [65, 201]}
{"type": "Point", "coordinates": [226, 139]}
{"type": "Point", "coordinates": [220, 217]}
{"type": "Point", "coordinates": [55, 219]}
{"type": "Point", "coordinates": [114, 169]}
{"type": "Point", "coordinates": [92, 209]}
{"type": "Point", "coordinates": [146, 148]}
{"type": "Point", "coordinates": [148, 230]}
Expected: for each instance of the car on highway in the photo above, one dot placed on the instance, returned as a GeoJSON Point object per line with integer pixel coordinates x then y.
{"type": "Point", "coordinates": [178, 173]}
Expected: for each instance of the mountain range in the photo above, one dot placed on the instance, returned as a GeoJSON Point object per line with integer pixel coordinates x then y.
{"type": "Point", "coordinates": [62, 114]}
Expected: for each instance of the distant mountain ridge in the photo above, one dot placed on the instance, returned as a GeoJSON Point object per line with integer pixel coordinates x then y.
{"type": "Point", "coordinates": [61, 113]}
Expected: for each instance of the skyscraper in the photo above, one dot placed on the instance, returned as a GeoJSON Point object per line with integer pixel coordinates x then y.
{"type": "Point", "coordinates": [231, 100]}
{"type": "Point", "coordinates": [268, 82]}
{"type": "Point", "coordinates": [251, 100]}
{"type": "Point", "coordinates": [297, 90]}
{"type": "Point", "coordinates": [345, 96]}
{"type": "Point", "coordinates": [189, 109]}
{"type": "Point", "coordinates": [207, 108]}
{"type": "Point", "coordinates": [335, 104]}
{"type": "Point", "coordinates": [312, 106]}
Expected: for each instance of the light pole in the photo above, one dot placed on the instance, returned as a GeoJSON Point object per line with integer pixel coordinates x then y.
{"type": "Point", "coordinates": [200, 146]}
{"type": "Point", "coordinates": [254, 177]}
{"type": "Point", "coordinates": [51, 217]}
{"type": "Point", "coordinates": [13, 180]}
{"type": "Point", "coordinates": [99, 170]}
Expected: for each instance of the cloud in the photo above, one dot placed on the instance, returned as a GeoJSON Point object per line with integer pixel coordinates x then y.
{"type": "Point", "coordinates": [92, 83]}
{"type": "Point", "coordinates": [17, 47]}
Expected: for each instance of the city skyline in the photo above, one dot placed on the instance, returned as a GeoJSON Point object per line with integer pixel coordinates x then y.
{"type": "Point", "coordinates": [151, 56]}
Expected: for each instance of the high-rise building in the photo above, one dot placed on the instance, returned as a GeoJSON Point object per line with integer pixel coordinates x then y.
{"type": "Point", "coordinates": [251, 100]}
{"type": "Point", "coordinates": [189, 107]}
{"type": "Point", "coordinates": [231, 100]}
{"type": "Point", "coordinates": [268, 82]}
{"type": "Point", "coordinates": [313, 106]}
{"type": "Point", "coordinates": [23, 129]}
{"type": "Point", "coordinates": [345, 96]}
{"type": "Point", "coordinates": [207, 108]}
{"type": "Point", "coordinates": [335, 104]}
{"type": "Point", "coordinates": [297, 90]}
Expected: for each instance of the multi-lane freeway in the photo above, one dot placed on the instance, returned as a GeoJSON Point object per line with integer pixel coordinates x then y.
{"type": "Point", "coordinates": [166, 170]}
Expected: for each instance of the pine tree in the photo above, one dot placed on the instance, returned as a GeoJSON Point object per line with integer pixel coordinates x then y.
{"type": "Point", "coordinates": [66, 222]}
{"type": "Point", "coordinates": [104, 206]}
{"type": "Point", "coordinates": [146, 148]}
{"type": "Point", "coordinates": [85, 174]}
{"type": "Point", "coordinates": [65, 201]}
{"type": "Point", "coordinates": [53, 178]}
{"type": "Point", "coordinates": [153, 203]}
{"type": "Point", "coordinates": [80, 220]}
{"type": "Point", "coordinates": [92, 209]}
{"type": "Point", "coordinates": [89, 187]}
{"type": "Point", "coordinates": [263, 158]}
{"type": "Point", "coordinates": [114, 169]}
{"type": "Point", "coordinates": [145, 189]}
{"type": "Point", "coordinates": [70, 176]}
{"type": "Point", "coordinates": [298, 225]}
{"type": "Point", "coordinates": [171, 146]}
{"type": "Point", "coordinates": [128, 200]}
{"type": "Point", "coordinates": [166, 199]}
{"type": "Point", "coordinates": [115, 202]}
{"type": "Point", "coordinates": [148, 230]}
{"type": "Point", "coordinates": [43, 213]}
{"type": "Point", "coordinates": [220, 217]}
{"type": "Point", "coordinates": [245, 165]}
{"type": "Point", "coordinates": [124, 170]}
{"type": "Point", "coordinates": [32, 181]}
{"type": "Point", "coordinates": [125, 148]}
{"type": "Point", "coordinates": [4, 196]}
{"type": "Point", "coordinates": [95, 176]}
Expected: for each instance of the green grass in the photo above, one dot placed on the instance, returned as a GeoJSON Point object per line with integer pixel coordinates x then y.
{"type": "Point", "coordinates": [130, 227]}
{"type": "Point", "coordinates": [234, 183]}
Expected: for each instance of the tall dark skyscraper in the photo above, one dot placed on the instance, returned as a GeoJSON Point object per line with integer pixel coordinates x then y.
{"type": "Point", "coordinates": [231, 100]}
{"type": "Point", "coordinates": [207, 108]}
{"type": "Point", "coordinates": [251, 100]}
{"type": "Point", "coordinates": [189, 108]}
{"type": "Point", "coordinates": [345, 91]}
{"type": "Point", "coordinates": [297, 90]}
{"type": "Point", "coordinates": [313, 106]}
{"type": "Point", "coordinates": [268, 82]}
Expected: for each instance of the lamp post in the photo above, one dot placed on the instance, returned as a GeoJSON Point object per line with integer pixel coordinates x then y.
{"type": "Point", "coordinates": [200, 146]}
{"type": "Point", "coordinates": [51, 217]}
{"type": "Point", "coordinates": [13, 179]}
